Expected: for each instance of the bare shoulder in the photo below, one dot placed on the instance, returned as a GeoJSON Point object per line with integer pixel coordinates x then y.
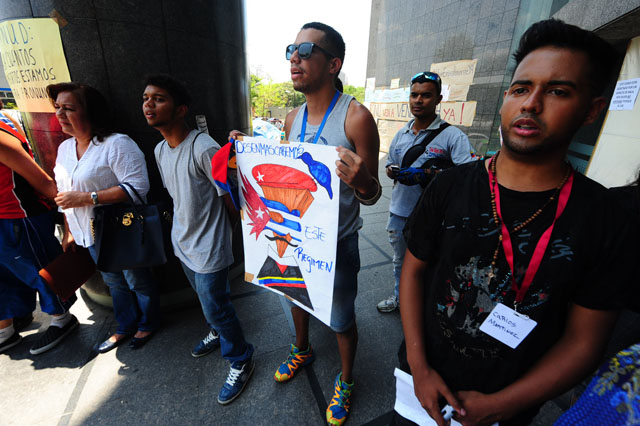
{"type": "Point", "coordinates": [360, 126]}
{"type": "Point", "coordinates": [288, 121]}
{"type": "Point", "coordinates": [359, 115]}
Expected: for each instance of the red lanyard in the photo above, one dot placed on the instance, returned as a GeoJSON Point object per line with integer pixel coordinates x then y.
{"type": "Point", "coordinates": [541, 246]}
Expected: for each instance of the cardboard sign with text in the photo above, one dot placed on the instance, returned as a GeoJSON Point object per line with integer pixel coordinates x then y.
{"type": "Point", "coordinates": [33, 58]}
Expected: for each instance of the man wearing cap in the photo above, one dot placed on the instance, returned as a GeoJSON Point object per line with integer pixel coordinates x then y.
{"type": "Point", "coordinates": [426, 145]}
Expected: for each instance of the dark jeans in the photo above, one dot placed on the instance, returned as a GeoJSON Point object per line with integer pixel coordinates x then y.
{"type": "Point", "coordinates": [213, 293]}
{"type": "Point", "coordinates": [136, 302]}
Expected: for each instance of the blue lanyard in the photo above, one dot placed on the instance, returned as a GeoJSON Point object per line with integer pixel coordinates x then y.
{"type": "Point", "coordinates": [324, 119]}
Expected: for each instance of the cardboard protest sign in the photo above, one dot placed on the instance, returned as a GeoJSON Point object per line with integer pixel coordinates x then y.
{"type": "Point", "coordinates": [289, 200]}
{"type": "Point", "coordinates": [32, 57]}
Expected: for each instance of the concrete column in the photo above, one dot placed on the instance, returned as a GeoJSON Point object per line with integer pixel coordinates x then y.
{"type": "Point", "coordinates": [112, 44]}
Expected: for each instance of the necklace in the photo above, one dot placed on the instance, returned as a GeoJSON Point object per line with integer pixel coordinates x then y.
{"type": "Point", "coordinates": [496, 217]}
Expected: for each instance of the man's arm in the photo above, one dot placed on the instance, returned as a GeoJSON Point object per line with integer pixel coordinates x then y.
{"type": "Point", "coordinates": [16, 158]}
{"type": "Point", "coordinates": [427, 383]}
{"type": "Point", "coordinates": [574, 356]}
{"type": "Point", "coordinates": [359, 169]}
{"type": "Point", "coordinates": [15, 124]}
{"type": "Point", "coordinates": [461, 149]}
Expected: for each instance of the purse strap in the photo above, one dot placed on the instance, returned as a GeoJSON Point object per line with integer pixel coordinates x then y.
{"type": "Point", "coordinates": [407, 161]}
{"type": "Point", "coordinates": [128, 185]}
{"type": "Point", "coordinates": [124, 186]}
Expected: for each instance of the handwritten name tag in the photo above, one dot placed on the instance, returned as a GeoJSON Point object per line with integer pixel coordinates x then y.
{"type": "Point", "coordinates": [507, 326]}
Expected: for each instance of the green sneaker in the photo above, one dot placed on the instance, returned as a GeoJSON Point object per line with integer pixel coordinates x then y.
{"type": "Point", "coordinates": [338, 409]}
{"type": "Point", "coordinates": [296, 359]}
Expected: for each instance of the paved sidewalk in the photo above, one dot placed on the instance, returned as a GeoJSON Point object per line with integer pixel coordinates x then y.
{"type": "Point", "coordinates": [161, 384]}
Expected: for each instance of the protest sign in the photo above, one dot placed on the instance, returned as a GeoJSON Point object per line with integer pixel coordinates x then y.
{"type": "Point", "coordinates": [32, 57]}
{"type": "Point", "coordinates": [289, 201]}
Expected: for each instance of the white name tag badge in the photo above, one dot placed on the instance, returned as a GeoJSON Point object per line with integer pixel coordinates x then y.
{"type": "Point", "coordinates": [507, 326]}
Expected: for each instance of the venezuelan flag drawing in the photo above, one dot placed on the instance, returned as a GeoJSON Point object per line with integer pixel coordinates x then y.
{"type": "Point", "coordinates": [285, 276]}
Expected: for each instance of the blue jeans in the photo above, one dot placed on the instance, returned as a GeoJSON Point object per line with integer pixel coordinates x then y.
{"type": "Point", "coordinates": [394, 228]}
{"type": "Point", "coordinates": [213, 292]}
{"type": "Point", "coordinates": [136, 302]}
{"type": "Point", "coordinates": [26, 246]}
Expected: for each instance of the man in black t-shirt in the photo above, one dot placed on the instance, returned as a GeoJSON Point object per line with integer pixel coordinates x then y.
{"type": "Point", "coordinates": [510, 283]}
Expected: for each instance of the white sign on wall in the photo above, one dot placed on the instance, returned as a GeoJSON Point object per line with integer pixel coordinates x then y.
{"type": "Point", "coordinates": [624, 97]}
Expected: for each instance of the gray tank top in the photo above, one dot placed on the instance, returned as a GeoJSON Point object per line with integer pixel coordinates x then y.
{"type": "Point", "coordinates": [333, 134]}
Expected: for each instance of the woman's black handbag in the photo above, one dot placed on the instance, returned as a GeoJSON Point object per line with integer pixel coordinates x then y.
{"type": "Point", "coordinates": [129, 235]}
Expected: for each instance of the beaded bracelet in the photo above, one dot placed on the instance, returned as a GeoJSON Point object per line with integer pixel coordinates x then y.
{"type": "Point", "coordinates": [371, 201]}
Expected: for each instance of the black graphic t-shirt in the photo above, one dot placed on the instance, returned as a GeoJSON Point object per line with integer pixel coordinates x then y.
{"type": "Point", "coordinates": [587, 263]}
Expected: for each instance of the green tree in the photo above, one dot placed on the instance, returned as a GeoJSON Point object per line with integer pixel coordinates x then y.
{"type": "Point", "coordinates": [356, 92]}
{"type": "Point", "coordinates": [265, 94]}
{"type": "Point", "coordinates": [269, 95]}
{"type": "Point", "coordinates": [290, 97]}
{"type": "Point", "coordinates": [254, 93]}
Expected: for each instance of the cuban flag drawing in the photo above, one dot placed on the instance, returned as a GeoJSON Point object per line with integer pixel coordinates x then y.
{"type": "Point", "coordinates": [289, 215]}
{"type": "Point", "coordinates": [224, 170]}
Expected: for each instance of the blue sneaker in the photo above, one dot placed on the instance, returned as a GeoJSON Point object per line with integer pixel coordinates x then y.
{"type": "Point", "coordinates": [338, 409]}
{"type": "Point", "coordinates": [206, 345]}
{"type": "Point", "coordinates": [239, 375]}
{"type": "Point", "coordinates": [296, 359]}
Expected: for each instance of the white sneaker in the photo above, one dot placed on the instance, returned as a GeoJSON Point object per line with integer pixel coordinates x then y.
{"type": "Point", "coordinates": [388, 305]}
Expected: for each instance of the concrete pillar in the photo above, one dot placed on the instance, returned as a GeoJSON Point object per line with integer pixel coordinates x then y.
{"type": "Point", "coordinates": [112, 44]}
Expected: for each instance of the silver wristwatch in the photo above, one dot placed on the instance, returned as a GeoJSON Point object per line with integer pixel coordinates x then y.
{"type": "Point", "coordinates": [94, 198]}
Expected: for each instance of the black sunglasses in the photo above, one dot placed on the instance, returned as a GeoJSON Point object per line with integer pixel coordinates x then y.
{"type": "Point", "coordinates": [305, 50]}
{"type": "Point", "coordinates": [425, 77]}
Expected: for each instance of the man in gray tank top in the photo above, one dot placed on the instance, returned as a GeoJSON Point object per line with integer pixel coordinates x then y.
{"type": "Point", "coordinates": [351, 128]}
{"type": "Point", "coordinates": [332, 118]}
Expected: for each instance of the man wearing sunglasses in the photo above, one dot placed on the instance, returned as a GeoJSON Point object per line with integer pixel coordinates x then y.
{"type": "Point", "coordinates": [511, 282]}
{"type": "Point", "coordinates": [331, 118]}
{"type": "Point", "coordinates": [419, 150]}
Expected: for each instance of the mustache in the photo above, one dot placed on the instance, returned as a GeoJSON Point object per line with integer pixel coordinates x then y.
{"type": "Point", "coordinates": [280, 239]}
{"type": "Point", "coordinates": [528, 116]}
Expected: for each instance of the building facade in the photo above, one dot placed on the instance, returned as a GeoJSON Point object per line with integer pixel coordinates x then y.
{"type": "Point", "coordinates": [410, 36]}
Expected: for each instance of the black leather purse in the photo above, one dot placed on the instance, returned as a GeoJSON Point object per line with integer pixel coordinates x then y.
{"type": "Point", "coordinates": [129, 235]}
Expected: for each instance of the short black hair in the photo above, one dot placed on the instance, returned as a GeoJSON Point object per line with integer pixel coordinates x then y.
{"type": "Point", "coordinates": [95, 104]}
{"type": "Point", "coordinates": [175, 87]}
{"type": "Point", "coordinates": [603, 59]}
{"type": "Point", "coordinates": [333, 41]}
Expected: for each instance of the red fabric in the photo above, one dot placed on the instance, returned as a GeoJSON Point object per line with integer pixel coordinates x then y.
{"type": "Point", "coordinates": [278, 176]}
{"type": "Point", "coordinates": [10, 205]}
